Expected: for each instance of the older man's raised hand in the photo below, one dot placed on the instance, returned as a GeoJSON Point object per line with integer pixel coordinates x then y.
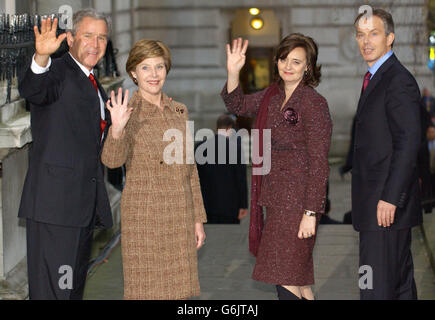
{"type": "Point", "coordinates": [46, 41]}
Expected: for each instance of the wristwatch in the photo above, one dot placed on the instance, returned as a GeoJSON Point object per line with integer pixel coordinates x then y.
{"type": "Point", "coordinates": [310, 213]}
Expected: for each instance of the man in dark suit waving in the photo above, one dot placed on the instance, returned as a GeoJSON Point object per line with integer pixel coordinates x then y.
{"type": "Point", "coordinates": [64, 193]}
{"type": "Point", "coordinates": [385, 190]}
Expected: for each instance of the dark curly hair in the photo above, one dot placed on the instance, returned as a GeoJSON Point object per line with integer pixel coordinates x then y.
{"type": "Point", "coordinates": [298, 40]}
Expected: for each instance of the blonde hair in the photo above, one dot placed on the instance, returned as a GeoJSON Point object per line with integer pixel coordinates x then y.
{"type": "Point", "coordinates": [144, 49]}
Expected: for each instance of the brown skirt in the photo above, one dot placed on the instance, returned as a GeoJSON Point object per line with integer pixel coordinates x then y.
{"type": "Point", "coordinates": [284, 259]}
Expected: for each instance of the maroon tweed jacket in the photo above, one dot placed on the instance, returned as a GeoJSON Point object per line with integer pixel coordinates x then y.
{"type": "Point", "coordinates": [301, 136]}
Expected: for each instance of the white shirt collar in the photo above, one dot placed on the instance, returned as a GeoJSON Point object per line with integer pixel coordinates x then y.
{"type": "Point", "coordinates": [87, 73]}
{"type": "Point", "coordinates": [84, 69]}
{"type": "Point", "coordinates": [375, 67]}
{"type": "Point", "coordinates": [224, 134]}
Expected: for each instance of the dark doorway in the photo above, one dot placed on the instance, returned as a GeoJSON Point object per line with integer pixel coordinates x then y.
{"type": "Point", "coordinates": [256, 75]}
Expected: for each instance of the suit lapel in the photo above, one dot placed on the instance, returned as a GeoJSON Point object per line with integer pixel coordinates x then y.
{"type": "Point", "coordinates": [88, 93]}
{"type": "Point", "coordinates": [374, 82]}
{"type": "Point", "coordinates": [106, 112]}
{"type": "Point", "coordinates": [105, 98]}
{"type": "Point", "coordinates": [102, 92]}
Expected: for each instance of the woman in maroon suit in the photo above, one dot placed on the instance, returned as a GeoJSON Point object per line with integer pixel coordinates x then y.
{"type": "Point", "coordinates": [294, 191]}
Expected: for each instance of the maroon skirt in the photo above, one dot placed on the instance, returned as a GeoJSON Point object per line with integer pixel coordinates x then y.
{"type": "Point", "coordinates": [283, 258]}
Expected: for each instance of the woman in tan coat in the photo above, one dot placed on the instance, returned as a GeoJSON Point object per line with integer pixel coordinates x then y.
{"type": "Point", "coordinates": [162, 212]}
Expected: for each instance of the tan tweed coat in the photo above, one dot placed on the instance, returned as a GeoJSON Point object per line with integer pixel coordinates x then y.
{"type": "Point", "coordinates": [160, 204]}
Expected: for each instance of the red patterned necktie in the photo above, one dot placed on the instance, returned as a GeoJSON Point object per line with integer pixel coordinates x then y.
{"type": "Point", "coordinates": [103, 123]}
{"type": "Point", "coordinates": [366, 80]}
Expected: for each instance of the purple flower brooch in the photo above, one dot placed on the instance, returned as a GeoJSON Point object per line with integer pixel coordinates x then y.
{"type": "Point", "coordinates": [291, 116]}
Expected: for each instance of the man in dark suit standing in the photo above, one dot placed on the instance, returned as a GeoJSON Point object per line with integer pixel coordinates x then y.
{"type": "Point", "coordinates": [385, 189]}
{"type": "Point", "coordinates": [223, 180]}
{"type": "Point", "coordinates": [64, 195]}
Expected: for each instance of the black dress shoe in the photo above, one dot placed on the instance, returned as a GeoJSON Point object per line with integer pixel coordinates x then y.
{"type": "Point", "coordinates": [284, 294]}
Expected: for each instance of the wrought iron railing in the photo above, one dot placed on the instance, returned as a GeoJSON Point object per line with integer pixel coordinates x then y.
{"type": "Point", "coordinates": [17, 46]}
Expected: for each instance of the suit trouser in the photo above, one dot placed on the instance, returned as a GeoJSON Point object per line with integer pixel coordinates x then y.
{"type": "Point", "coordinates": [388, 253]}
{"type": "Point", "coordinates": [57, 260]}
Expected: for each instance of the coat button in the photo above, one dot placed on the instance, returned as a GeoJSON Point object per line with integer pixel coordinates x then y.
{"type": "Point", "coordinates": [161, 162]}
{"type": "Point", "coordinates": [94, 180]}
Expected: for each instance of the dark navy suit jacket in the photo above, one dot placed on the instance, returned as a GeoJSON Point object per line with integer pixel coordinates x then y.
{"type": "Point", "coordinates": [387, 141]}
{"type": "Point", "coordinates": [64, 183]}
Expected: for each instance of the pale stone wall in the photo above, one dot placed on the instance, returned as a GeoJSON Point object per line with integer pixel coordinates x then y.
{"type": "Point", "coordinates": [52, 6]}
{"type": "Point", "coordinates": [12, 231]}
{"type": "Point", "coordinates": [197, 30]}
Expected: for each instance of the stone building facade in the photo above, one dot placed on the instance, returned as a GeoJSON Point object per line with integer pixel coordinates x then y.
{"type": "Point", "coordinates": [197, 31]}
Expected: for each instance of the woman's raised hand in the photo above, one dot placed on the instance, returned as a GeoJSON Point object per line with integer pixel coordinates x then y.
{"type": "Point", "coordinates": [236, 56]}
{"type": "Point", "coordinates": [119, 112]}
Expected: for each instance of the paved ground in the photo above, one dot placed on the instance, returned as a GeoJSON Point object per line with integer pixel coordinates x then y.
{"type": "Point", "coordinates": [225, 265]}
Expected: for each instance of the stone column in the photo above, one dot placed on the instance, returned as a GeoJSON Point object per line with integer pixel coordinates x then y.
{"type": "Point", "coordinates": [14, 138]}
{"type": "Point", "coordinates": [7, 6]}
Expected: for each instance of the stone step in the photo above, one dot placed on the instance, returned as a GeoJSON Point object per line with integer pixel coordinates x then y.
{"type": "Point", "coordinates": [11, 110]}
{"type": "Point", "coordinates": [15, 126]}
{"type": "Point", "coordinates": [428, 236]}
{"type": "Point", "coordinates": [15, 287]}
